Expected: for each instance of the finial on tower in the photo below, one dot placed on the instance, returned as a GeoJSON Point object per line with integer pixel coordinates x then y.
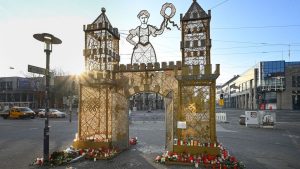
{"type": "Point", "coordinates": [103, 10]}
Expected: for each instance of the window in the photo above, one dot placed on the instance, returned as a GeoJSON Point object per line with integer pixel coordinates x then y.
{"type": "Point", "coordinates": [16, 97]}
{"type": "Point", "coordinates": [195, 43]}
{"type": "Point", "coordinates": [24, 97]}
{"type": "Point", "coordinates": [201, 53]}
{"type": "Point", "coordinates": [293, 81]}
{"type": "Point", "coordinates": [6, 85]}
{"type": "Point", "coordinates": [195, 53]}
{"type": "Point", "coordinates": [270, 70]}
{"type": "Point", "coordinates": [195, 15]}
{"type": "Point", "coordinates": [187, 44]}
{"type": "Point", "coordinates": [271, 97]}
{"type": "Point", "coordinates": [202, 42]}
{"type": "Point", "coordinates": [2, 85]}
{"type": "Point", "coordinates": [2, 97]}
{"type": "Point", "coordinates": [9, 85]}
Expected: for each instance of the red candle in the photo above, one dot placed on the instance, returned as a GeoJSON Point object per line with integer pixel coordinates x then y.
{"type": "Point", "coordinates": [191, 159]}
{"type": "Point", "coordinates": [179, 158]}
{"type": "Point", "coordinates": [225, 153]}
{"type": "Point", "coordinates": [218, 164]}
{"type": "Point", "coordinates": [232, 159]}
{"type": "Point", "coordinates": [204, 159]}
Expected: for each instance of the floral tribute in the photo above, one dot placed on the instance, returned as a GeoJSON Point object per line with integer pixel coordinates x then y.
{"type": "Point", "coordinates": [133, 141]}
{"type": "Point", "coordinates": [221, 161]}
{"type": "Point", "coordinates": [71, 155]}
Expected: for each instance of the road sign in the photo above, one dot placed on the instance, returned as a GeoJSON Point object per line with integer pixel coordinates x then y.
{"type": "Point", "coordinates": [221, 102]}
{"type": "Point", "coordinates": [35, 69]}
{"type": "Point", "coordinates": [251, 118]}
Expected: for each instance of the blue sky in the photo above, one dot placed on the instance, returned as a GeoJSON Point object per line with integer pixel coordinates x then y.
{"type": "Point", "coordinates": [243, 32]}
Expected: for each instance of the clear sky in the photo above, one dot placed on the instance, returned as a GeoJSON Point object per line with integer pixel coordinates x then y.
{"type": "Point", "coordinates": [243, 32]}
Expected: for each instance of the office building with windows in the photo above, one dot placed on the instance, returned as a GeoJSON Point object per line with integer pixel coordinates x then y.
{"type": "Point", "coordinates": [266, 85]}
{"type": "Point", "coordinates": [30, 91]}
{"type": "Point", "coordinates": [20, 91]}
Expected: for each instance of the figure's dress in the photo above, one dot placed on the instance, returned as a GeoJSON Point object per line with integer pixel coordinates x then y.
{"type": "Point", "coordinates": [143, 51]}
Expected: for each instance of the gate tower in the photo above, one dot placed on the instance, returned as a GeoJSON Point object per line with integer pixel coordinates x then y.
{"type": "Point", "coordinates": [99, 105]}
{"type": "Point", "coordinates": [196, 125]}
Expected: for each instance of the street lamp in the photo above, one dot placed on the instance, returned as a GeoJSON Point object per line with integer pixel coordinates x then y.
{"type": "Point", "coordinates": [71, 97]}
{"type": "Point", "coordinates": [48, 40]}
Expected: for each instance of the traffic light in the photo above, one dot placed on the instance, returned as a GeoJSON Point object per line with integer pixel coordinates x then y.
{"type": "Point", "coordinates": [221, 96]}
{"type": "Point", "coordinates": [221, 101]}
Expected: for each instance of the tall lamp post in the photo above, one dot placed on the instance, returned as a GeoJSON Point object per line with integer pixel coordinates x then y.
{"type": "Point", "coordinates": [71, 97]}
{"type": "Point", "coordinates": [48, 40]}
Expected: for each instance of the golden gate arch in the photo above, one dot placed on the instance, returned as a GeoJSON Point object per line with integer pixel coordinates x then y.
{"type": "Point", "coordinates": [187, 85]}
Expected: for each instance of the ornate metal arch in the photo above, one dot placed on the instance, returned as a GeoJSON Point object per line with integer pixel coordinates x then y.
{"type": "Point", "coordinates": [188, 86]}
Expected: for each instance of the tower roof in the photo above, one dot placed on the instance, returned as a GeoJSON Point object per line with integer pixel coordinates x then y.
{"type": "Point", "coordinates": [102, 18]}
{"type": "Point", "coordinates": [102, 23]}
{"type": "Point", "coordinates": [195, 12]}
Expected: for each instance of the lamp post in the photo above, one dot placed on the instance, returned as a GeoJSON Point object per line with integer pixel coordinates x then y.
{"type": "Point", "coordinates": [71, 97]}
{"type": "Point", "coordinates": [48, 40]}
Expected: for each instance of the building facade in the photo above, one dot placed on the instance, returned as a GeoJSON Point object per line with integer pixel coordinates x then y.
{"type": "Point", "coordinates": [292, 91]}
{"type": "Point", "coordinates": [20, 91]}
{"type": "Point", "coordinates": [30, 92]}
{"type": "Point", "coordinates": [266, 85]}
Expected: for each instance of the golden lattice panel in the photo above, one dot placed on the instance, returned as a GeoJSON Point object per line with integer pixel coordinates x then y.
{"type": "Point", "coordinates": [196, 112]}
{"type": "Point", "coordinates": [95, 114]}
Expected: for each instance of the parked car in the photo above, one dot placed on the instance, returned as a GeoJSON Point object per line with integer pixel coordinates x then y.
{"type": "Point", "coordinates": [20, 113]}
{"type": "Point", "coordinates": [37, 111]}
{"type": "Point", "coordinates": [4, 114]}
{"type": "Point", "coordinates": [52, 113]}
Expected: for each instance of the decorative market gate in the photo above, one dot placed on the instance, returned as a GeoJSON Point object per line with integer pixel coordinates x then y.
{"type": "Point", "coordinates": [188, 86]}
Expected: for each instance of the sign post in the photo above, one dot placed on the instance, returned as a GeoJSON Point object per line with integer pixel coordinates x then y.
{"type": "Point", "coordinates": [35, 69]}
{"type": "Point", "coordinates": [48, 40]}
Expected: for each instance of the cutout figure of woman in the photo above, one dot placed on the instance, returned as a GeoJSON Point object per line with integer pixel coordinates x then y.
{"type": "Point", "coordinates": [143, 51]}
